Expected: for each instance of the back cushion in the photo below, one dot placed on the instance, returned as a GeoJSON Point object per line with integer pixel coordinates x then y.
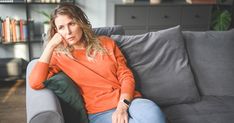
{"type": "Point", "coordinates": [160, 65]}
{"type": "Point", "coordinates": [108, 31]}
{"type": "Point", "coordinates": [211, 55]}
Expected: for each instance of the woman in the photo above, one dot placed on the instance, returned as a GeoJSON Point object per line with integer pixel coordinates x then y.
{"type": "Point", "coordinates": [97, 66]}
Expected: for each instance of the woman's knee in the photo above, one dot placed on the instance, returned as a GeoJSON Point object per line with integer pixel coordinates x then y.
{"type": "Point", "coordinates": [144, 104]}
{"type": "Point", "coordinates": [146, 110]}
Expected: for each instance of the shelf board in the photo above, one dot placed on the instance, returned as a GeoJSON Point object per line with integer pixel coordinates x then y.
{"type": "Point", "coordinates": [12, 2]}
{"type": "Point", "coordinates": [46, 3]}
{"type": "Point", "coordinates": [10, 43]}
{"type": "Point", "coordinates": [36, 41]}
{"type": "Point", "coordinates": [33, 2]}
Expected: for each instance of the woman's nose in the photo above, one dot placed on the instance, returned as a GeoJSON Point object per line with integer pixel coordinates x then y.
{"type": "Point", "coordinates": [68, 30]}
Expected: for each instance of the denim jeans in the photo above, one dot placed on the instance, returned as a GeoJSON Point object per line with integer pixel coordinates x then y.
{"type": "Point", "coordinates": [140, 111]}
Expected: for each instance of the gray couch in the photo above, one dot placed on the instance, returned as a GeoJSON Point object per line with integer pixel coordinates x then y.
{"type": "Point", "coordinates": [189, 74]}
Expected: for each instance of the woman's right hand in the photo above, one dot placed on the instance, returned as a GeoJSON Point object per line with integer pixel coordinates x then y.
{"type": "Point", "coordinates": [56, 40]}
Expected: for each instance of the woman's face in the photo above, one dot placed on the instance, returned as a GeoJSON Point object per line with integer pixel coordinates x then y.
{"type": "Point", "coordinates": [69, 29]}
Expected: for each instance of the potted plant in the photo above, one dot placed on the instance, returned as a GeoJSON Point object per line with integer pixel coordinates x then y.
{"type": "Point", "coordinates": [221, 17]}
{"type": "Point", "coordinates": [47, 20]}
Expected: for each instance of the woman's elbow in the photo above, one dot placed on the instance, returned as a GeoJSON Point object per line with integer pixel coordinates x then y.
{"type": "Point", "coordinates": [35, 84]}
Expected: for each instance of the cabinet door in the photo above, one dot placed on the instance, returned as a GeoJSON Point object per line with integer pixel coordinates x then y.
{"type": "Point", "coordinates": [164, 15]}
{"type": "Point", "coordinates": [196, 15]}
{"type": "Point", "coordinates": [130, 15]}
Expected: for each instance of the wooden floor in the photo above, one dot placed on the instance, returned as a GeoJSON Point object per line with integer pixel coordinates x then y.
{"type": "Point", "coordinates": [12, 102]}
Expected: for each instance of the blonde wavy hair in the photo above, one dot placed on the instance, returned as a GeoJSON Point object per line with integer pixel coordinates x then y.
{"type": "Point", "coordinates": [89, 39]}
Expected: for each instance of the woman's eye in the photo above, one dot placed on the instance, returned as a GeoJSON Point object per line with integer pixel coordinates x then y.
{"type": "Point", "coordinates": [61, 27]}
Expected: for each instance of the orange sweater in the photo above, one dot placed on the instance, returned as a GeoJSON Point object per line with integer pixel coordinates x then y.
{"type": "Point", "coordinates": [101, 81]}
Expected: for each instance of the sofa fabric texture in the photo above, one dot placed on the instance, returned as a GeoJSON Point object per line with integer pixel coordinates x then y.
{"type": "Point", "coordinates": [189, 74]}
{"type": "Point", "coordinates": [160, 64]}
{"type": "Point", "coordinates": [211, 109]}
{"type": "Point", "coordinates": [211, 57]}
{"type": "Point", "coordinates": [42, 106]}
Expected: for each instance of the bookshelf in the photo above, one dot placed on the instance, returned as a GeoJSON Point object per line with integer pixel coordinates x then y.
{"type": "Point", "coordinates": [22, 27]}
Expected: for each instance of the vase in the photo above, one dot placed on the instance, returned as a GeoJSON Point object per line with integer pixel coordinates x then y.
{"type": "Point", "coordinates": [46, 27]}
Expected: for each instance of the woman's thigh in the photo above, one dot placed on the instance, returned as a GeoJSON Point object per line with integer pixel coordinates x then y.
{"type": "Point", "coordinates": [140, 111]}
{"type": "Point", "coordinates": [102, 117]}
{"type": "Point", "coordinates": [145, 111]}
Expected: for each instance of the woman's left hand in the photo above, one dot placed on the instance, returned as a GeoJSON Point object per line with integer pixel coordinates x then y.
{"type": "Point", "coordinates": [120, 115]}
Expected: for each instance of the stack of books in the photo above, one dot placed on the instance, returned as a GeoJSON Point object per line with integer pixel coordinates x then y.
{"type": "Point", "coordinates": [13, 30]}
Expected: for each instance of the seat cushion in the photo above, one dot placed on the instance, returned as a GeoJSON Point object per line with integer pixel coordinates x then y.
{"type": "Point", "coordinates": [211, 109]}
{"type": "Point", "coordinates": [160, 65]}
{"type": "Point", "coordinates": [212, 61]}
{"type": "Point", "coordinates": [69, 96]}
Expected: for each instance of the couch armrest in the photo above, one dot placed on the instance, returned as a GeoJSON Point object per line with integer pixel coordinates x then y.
{"type": "Point", "coordinates": [42, 105]}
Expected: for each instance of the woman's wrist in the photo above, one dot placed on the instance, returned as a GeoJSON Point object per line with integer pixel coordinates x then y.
{"type": "Point", "coordinates": [122, 106]}
{"type": "Point", "coordinates": [50, 46]}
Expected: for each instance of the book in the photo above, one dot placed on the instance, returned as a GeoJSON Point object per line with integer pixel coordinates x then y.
{"type": "Point", "coordinates": [21, 23]}
{"type": "Point", "coordinates": [7, 30]}
{"type": "Point", "coordinates": [25, 31]}
{"type": "Point", "coordinates": [0, 30]}
{"type": "Point", "coordinates": [17, 28]}
{"type": "Point", "coordinates": [13, 29]}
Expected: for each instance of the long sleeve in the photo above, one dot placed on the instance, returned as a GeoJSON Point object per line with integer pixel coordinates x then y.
{"type": "Point", "coordinates": [124, 74]}
{"type": "Point", "coordinates": [41, 72]}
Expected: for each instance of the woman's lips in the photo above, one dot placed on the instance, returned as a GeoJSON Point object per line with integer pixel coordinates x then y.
{"type": "Point", "coordinates": [69, 39]}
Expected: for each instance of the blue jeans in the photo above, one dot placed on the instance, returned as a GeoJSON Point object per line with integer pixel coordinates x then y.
{"type": "Point", "coordinates": [140, 111]}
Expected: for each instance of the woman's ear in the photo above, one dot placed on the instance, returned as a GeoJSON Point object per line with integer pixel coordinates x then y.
{"type": "Point", "coordinates": [53, 31]}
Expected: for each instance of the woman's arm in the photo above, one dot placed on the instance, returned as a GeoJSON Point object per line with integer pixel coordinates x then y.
{"type": "Point", "coordinates": [126, 79]}
{"type": "Point", "coordinates": [125, 76]}
{"type": "Point", "coordinates": [42, 70]}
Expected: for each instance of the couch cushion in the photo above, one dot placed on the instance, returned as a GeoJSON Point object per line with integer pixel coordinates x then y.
{"type": "Point", "coordinates": [160, 65]}
{"type": "Point", "coordinates": [211, 109]}
{"type": "Point", "coordinates": [108, 31]}
{"type": "Point", "coordinates": [212, 60]}
{"type": "Point", "coordinates": [70, 97]}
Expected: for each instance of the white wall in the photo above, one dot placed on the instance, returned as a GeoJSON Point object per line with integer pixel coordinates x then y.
{"type": "Point", "coordinates": [110, 13]}
{"type": "Point", "coordinates": [95, 10]}
{"type": "Point", "coordinates": [99, 12]}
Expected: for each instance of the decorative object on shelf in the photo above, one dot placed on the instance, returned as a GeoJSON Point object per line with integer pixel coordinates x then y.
{"type": "Point", "coordinates": [155, 1]}
{"type": "Point", "coordinates": [128, 1]}
{"type": "Point", "coordinates": [221, 17]}
{"type": "Point", "coordinates": [201, 1]}
{"type": "Point", "coordinates": [46, 25]}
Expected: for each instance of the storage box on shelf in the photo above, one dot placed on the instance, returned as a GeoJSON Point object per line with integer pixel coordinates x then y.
{"type": "Point", "coordinates": [12, 68]}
